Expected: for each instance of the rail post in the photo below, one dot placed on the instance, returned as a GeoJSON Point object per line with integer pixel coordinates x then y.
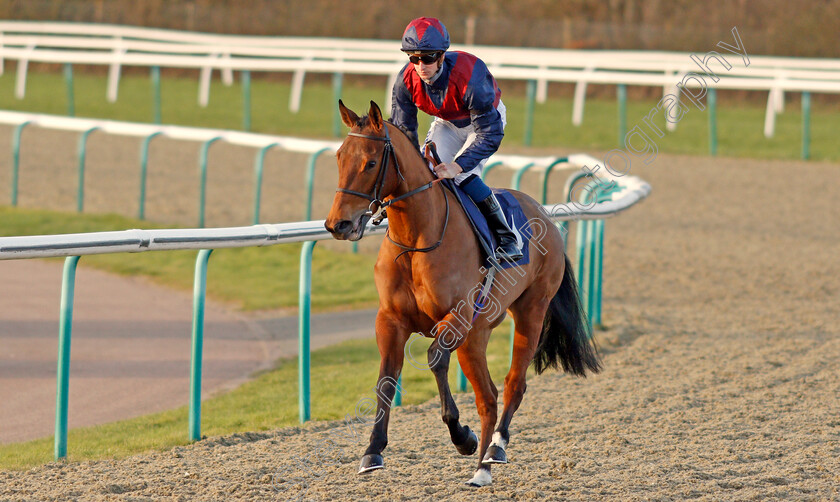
{"type": "Point", "coordinates": [71, 95]}
{"type": "Point", "coordinates": [310, 180]}
{"type": "Point", "coordinates": [259, 162]}
{"type": "Point", "coordinates": [713, 136]}
{"type": "Point", "coordinates": [16, 159]}
{"type": "Point", "coordinates": [80, 193]}
{"type": "Point", "coordinates": [155, 76]}
{"type": "Point", "coordinates": [65, 330]}
{"type": "Point", "coordinates": [304, 307]}
{"type": "Point", "coordinates": [199, 295]}
{"type": "Point", "coordinates": [144, 163]}
{"type": "Point", "coordinates": [246, 100]}
{"type": "Point", "coordinates": [202, 165]}
{"type": "Point", "coordinates": [806, 125]}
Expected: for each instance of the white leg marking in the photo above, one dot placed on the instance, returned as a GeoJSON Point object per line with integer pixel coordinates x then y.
{"type": "Point", "coordinates": [498, 440]}
{"type": "Point", "coordinates": [482, 478]}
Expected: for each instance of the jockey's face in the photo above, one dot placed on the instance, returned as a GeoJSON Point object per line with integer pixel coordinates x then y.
{"type": "Point", "coordinates": [427, 70]}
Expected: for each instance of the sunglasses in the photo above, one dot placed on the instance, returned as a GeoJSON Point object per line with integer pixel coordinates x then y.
{"type": "Point", "coordinates": [425, 58]}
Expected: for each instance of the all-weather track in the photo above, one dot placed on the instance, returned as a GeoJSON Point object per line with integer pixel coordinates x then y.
{"type": "Point", "coordinates": [721, 380]}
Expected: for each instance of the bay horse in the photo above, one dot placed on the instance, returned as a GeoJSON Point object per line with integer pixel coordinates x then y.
{"type": "Point", "coordinates": [425, 275]}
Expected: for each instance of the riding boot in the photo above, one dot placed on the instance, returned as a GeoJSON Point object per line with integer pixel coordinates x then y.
{"type": "Point", "coordinates": [507, 248]}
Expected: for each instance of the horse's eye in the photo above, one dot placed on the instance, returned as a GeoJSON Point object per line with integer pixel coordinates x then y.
{"type": "Point", "coordinates": [370, 164]}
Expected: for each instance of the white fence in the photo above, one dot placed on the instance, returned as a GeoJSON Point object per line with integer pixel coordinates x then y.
{"type": "Point", "coordinates": [117, 46]}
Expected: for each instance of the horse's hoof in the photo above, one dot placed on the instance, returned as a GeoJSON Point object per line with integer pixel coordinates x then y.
{"type": "Point", "coordinates": [470, 445]}
{"type": "Point", "coordinates": [482, 478]}
{"type": "Point", "coordinates": [371, 462]}
{"type": "Point", "coordinates": [495, 455]}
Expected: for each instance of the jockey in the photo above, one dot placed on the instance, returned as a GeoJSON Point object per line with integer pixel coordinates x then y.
{"type": "Point", "coordinates": [458, 90]}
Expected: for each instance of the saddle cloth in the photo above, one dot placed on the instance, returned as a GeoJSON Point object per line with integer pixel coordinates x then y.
{"type": "Point", "coordinates": [515, 217]}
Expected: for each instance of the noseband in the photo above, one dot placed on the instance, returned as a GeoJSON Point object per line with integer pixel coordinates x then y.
{"type": "Point", "coordinates": [375, 197]}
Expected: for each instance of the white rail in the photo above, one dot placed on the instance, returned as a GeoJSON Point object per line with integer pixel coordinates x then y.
{"type": "Point", "coordinates": [115, 46]}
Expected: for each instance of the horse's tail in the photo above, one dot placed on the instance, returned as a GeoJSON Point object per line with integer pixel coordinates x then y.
{"type": "Point", "coordinates": [565, 337]}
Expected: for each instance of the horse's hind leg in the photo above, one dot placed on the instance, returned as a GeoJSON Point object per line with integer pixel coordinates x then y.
{"type": "Point", "coordinates": [473, 358]}
{"type": "Point", "coordinates": [528, 312]}
{"type": "Point", "coordinates": [440, 351]}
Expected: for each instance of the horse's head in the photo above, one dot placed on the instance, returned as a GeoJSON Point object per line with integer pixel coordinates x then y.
{"type": "Point", "coordinates": [364, 175]}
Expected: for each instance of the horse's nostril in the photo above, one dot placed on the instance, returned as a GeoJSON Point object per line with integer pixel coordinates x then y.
{"type": "Point", "coordinates": [343, 227]}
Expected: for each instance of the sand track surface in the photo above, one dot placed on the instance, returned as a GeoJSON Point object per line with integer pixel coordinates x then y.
{"type": "Point", "coordinates": [720, 381]}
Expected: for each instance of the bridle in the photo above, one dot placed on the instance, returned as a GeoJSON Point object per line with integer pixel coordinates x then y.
{"type": "Point", "coordinates": [375, 198]}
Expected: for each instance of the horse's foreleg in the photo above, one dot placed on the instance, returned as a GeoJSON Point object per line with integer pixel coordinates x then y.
{"type": "Point", "coordinates": [391, 339]}
{"type": "Point", "coordinates": [440, 352]}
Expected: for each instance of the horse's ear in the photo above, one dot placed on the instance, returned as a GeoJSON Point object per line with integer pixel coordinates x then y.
{"type": "Point", "coordinates": [375, 116]}
{"type": "Point", "coordinates": [347, 115]}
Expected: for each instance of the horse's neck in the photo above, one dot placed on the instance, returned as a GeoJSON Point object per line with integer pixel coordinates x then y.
{"type": "Point", "coordinates": [416, 220]}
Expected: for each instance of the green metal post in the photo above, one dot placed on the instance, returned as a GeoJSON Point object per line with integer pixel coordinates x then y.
{"type": "Point", "coordinates": [156, 113]}
{"type": "Point", "coordinates": [337, 84]}
{"type": "Point", "coordinates": [16, 159]}
{"type": "Point", "coordinates": [258, 177]}
{"type": "Point", "coordinates": [462, 378]}
{"type": "Point", "coordinates": [713, 136]}
{"type": "Point", "coordinates": [517, 176]}
{"type": "Point", "coordinates": [530, 98]}
{"type": "Point", "coordinates": [560, 160]}
{"type": "Point", "coordinates": [199, 293]}
{"type": "Point", "coordinates": [310, 181]}
{"type": "Point", "coordinates": [599, 270]}
{"type": "Point", "coordinates": [304, 305]}
{"type": "Point", "coordinates": [487, 169]}
{"type": "Point", "coordinates": [806, 125]}
{"type": "Point", "coordinates": [398, 392]}
{"type": "Point", "coordinates": [65, 329]}
{"type": "Point", "coordinates": [144, 163]}
{"type": "Point", "coordinates": [621, 90]}
{"type": "Point", "coordinates": [80, 194]}
{"type": "Point", "coordinates": [582, 271]}
{"type": "Point", "coordinates": [246, 100]}
{"type": "Point", "coordinates": [202, 165]}
{"type": "Point", "coordinates": [71, 97]}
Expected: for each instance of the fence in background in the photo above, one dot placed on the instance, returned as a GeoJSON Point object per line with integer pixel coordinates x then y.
{"type": "Point", "coordinates": [118, 46]}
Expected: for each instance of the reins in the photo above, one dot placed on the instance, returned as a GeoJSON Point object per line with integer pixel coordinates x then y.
{"type": "Point", "coordinates": [374, 198]}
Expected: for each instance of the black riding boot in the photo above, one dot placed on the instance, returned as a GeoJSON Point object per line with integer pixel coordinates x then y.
{"type": "Point", "coordinates": [492, 211]}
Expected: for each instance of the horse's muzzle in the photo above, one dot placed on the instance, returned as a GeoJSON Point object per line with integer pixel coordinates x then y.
{"type": "Point", "coordinates": [347, 230]}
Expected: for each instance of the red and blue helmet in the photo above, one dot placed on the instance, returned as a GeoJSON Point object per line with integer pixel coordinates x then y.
{"type": "Point", "coordinates": [425, 34]}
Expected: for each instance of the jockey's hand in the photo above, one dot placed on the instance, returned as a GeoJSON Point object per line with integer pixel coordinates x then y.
{"type": "Point", "coordinates": [448, 170]}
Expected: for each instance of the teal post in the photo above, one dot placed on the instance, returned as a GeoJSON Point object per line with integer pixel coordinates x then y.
{"type": "Point", "coordinates": [530, 99]}
{"type": "Point", "coordinates": [713, 136]}
{"type": "Point", "coordinates": [546, 173]}
{"type": "Point", "coordinates": [246, 100]}
{"type": "Point", "coordinates": [16, 160]}
{"type": "Point", "coordinates": [337, 84]}
{"type": "Point", "coordinates": [80, 194]}
{"type": "Point", "coordinates": [310, 181]}
{"type": "Point", "coordinates": [583, 232]}
{"type": "Point", "coordinates": [398, 392]}
{"type": "Point", "coordinates": [258, 177]}
{"type": "Point", "coordinates": [806, 125]}
{"type": "Point", "coordinates": [462, 378]}
{"type": "Point", "coordinates": [599, 270]}
{"type": "Point", "coordinates": [144, 163]}
{"type": "Point", "coordinates": [487, 168]}
{"type": "Point", "coordinates": [621, 90]}
{"type": "Point", "coordinates": [202, 165]}
{"type": "Point", "coordinates": [304, 305]}
{"type": "Point", "coordinates": [65, 328]}
{"type": "Point", "coordinates": [156, 114]}
{"type": "Point", "coordinates": [199, 293]}
{"type": "Point", "coordinates": [71, 95]}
